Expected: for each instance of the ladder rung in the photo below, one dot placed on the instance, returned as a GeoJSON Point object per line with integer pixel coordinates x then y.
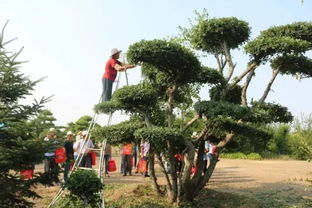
{"type": "Point", "coordinates": [83, 168]}
{"type": "Point", "coordinates": [94, 149]}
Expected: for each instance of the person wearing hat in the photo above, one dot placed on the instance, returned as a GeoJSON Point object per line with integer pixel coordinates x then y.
{"type": "Point", "coordinates": [69, 151]}
{"type": "Point", "coordinates": [84, 147]}
{"type": "Point", "coordinates": [109, 76]}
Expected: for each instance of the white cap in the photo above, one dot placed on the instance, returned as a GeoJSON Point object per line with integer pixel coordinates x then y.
{"type": "Point", "coordinates": [69, 133]}
{"type": "Point", "coordinates": [52, 129]}
{"type": "Point", "coordinates": [194, 134]}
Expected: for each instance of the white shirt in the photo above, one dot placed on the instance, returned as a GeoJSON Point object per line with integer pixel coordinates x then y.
{"type": "Point", "coordinates": [83, 146]}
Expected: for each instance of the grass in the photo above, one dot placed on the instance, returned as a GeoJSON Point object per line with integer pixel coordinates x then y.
{"type": "Point", "coordinates": [256, 156]}
{"type": "Point", "coordinates": [142, 196]}
{"type": "Point", "coordinates": [240, 155]}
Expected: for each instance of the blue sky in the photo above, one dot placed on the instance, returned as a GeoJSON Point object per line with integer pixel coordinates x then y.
{"type": "Point", "coordinates": [68, 41]}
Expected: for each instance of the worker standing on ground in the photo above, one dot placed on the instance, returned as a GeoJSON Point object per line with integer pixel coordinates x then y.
{"type": "Point", "coordinates": [111, 68]}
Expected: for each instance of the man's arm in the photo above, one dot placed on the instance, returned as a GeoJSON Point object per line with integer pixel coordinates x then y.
{"type": "Point", "coordinates": [123, 66]}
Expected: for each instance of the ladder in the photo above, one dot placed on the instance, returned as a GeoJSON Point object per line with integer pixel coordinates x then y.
{"type": "Point", "coordinates": [77, 162]}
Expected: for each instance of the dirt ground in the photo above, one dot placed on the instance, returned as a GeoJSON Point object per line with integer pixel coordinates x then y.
{"type": "Point", "coordinates": [238, 176]}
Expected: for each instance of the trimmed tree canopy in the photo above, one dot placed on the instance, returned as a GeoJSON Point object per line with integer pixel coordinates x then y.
{"type": "Point", "coordinates": [158, 137]}
{"type": "Point", "coordinates": [287, 39]}
{"type": "Point", "coordinates": [179, 65]}
{"type": "Point", "coordinates": [209, 35]}
{"type": "Point", "coordinates": [293, 65]}
{"type": "Point", "coordinates": [130, 98]}
{"type": "Point", "coordinates": [258, 113]}
{"type": "Point", "coordinates": [119, 133]}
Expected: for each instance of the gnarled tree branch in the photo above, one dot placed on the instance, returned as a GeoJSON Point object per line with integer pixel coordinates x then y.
{"type": "Point", "coordinates": [268, 88]}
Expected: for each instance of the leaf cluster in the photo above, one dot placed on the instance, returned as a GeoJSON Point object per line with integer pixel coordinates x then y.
{"type": "Point", "coordinates": [282, 40]}
{"type": "Point", "coordinates": [214, 109]}
{"type": "Point", "coordinates": [293, 65]}
{"type": "Point", "coordinates": [134, 98]}
{"type": "Point", "coordinates": [119, 133]}
{"type": "Point", "coordinates": [209, 35]}
{"type": "Point", "coordinates": [231, 95]}
{"type": "Point", "coordinates": [271, 112]}
{"type": "Point", "coordinates": [177, 64]}
{"type": "Point", "coordinates": [159, 136]}
{"type": "Point", "coordinates": [85, 185]}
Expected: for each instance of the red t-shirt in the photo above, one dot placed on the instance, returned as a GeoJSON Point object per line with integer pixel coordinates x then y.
{"type": "Point", "coordinates": [110, 72]}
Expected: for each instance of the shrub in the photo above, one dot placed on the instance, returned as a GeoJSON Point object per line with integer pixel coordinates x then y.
{"type": "Point", "coordinates": [85, 185]}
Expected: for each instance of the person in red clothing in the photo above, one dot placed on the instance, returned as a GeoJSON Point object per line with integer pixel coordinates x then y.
{"type": "Point", "coordinates": [111, 68]}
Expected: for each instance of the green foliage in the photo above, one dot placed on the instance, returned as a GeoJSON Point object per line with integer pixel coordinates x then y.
{"type": "Point", "coordinates": [159, 136]}
{"type": "Point", "coordinates": [108, 107]}
{"type": "Point", "coordinates": [71, 201]}
{"type": "Point", "coordinates": [134, 98]}
{"type": "Point", "coordinates": [42, 123]}
{"type": "Point", "coordinates": [213, 109]}
{"type": "Point", "coordinates": [81, 124]}
{"type": "Point", "coordinates": [279, 142]}
{"type": "Point", "coordinates": [209, 35]}
{"type": "Point", "coordinates": [119, 133]}
{"type": "Point", "coordinates": [271, 112]}
{"type": "Point", "coordinates": [283, 40]}
{"type": "Point", "coordinates": [177, 64]}
{"type": "Point", "coordinates": [298, 30]}
{"type": "Point", "coordinates": [293, 65]}
{"type": "Point", "coordinates": [18, 146]}
{"type": "Point", "coordinates": [210, 76]}
{"type": "Point", "coordinates": [300, 141]}
{"type": "Point", "coordinates": [232, 95]}
{"type": "Point", "coordinates": [85, 185]}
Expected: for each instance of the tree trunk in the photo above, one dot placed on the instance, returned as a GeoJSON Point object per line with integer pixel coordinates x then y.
{"type": "Point", "coordinates": [152, 173]}
{"type": "Point", "coordinates": [173, 175]}
{"type": "Point", "coordinates": [170, 102]}
{"type": "Point", "coordinates": [268, 88]}
{"type": "Point", "coordinates": [187, 182]}
{"type": "Point", "coordinates": [244, 90]}
{"type": "Point", "coordinates": [228, 58]}
{"type": "Point", "coordinates": [169, 186]}
{"type": "Point", "coordinates": [250, 67]}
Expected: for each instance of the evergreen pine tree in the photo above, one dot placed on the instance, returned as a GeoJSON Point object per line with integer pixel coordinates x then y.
{"type": "Point", "coordinates": [19, 147]}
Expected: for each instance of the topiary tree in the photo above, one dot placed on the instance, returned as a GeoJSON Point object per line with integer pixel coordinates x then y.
{"type": "Point", "coordinates": [19, 146]}
{"type": "Point", "coordinates": [172, 74]}
{"type": "Point", "coordinates": [85, 186]}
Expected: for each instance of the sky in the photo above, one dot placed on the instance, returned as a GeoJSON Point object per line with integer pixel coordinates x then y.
{"type": "Point", "coordinates": [69, 41]}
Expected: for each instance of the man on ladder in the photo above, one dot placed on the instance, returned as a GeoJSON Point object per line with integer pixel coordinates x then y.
{"type": "Point", "coordinates": [109, 76]}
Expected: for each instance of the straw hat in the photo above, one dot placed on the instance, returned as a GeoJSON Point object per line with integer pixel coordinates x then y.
{"type": "Point", "coordinates": [115, 51]}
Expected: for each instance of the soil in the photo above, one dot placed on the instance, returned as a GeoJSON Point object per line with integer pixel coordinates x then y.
{"type": "Point", "coordinates": [236, 176]}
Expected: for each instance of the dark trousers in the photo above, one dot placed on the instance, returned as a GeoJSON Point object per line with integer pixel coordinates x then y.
{"type": "Point", "coordinates": [205, 165]}
{"type": "Point", "coordinates": [106, 158]}
{"type": "Point", "coordinates": [49, 164]}
{"type": "Point", "coordinates": [107, 89]}
{"type": "Point", "coordinates": [146, 167]}
{"type": "Point", "coordinates": [126, 159]}
{"type": "Point", "coordinates": [67, 165]}
{"type": "Point", "coordinates": [86, 161]}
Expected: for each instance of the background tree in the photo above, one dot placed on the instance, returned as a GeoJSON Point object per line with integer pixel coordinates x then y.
{"type": "Point", "coordinates": [19, 146]}
{"type": "Point", "coordinates": [42, 123]}
{"type": "Point", "coordinates": [81, 124]}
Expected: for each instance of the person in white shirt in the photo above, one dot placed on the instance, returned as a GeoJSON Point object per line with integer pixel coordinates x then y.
{"type": "Point", "coordinates": [84, 147]}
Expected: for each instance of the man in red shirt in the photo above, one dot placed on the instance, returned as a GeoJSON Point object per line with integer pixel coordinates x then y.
{"type": "Point", "coordinates": [111, 68]}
